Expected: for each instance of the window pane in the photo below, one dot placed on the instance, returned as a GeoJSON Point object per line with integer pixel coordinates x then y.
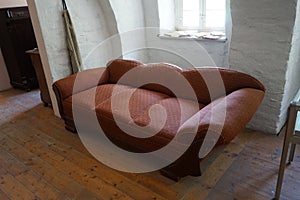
{"type": "Point", "coordinates": [190, 19]}
{"type": "Point", "coordinates": [190, 13]}
{"type": "Point", "coordinates": [195, 15]}
{"type": "Point", "coordinates": [190, 5]}
{"type": "Point", "coordinates": [215, 4]}
{"type": "Point", "coordinates": [215, 18]}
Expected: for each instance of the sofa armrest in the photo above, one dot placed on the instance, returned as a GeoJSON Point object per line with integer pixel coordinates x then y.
{"type": "Point", "coordinates": [86, 79]}
{"type": "Point", "coordinates": [222, 119]}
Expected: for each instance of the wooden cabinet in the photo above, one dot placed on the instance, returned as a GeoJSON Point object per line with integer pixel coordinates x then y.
{"type": "Point", "coordinates": [36, 61]}
{"type": "Point", "coordinates": [16, 37]}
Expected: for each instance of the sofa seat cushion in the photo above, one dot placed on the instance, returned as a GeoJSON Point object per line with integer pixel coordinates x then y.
{"type": "Point", "coordinates": [134, 100]}
{"type": "Point", "coordinates": [175, 116]}
{"type": "Point", "coordinates": [92, 97]}
{"type": "Point", "coordinates": [143, 142]}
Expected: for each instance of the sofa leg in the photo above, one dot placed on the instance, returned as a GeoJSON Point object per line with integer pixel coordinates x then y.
{"type": "Point", "coordinates": [170, 175]}
{"type": "Point", "coordinates": [70, 126]}
{"type": "Point", "coordinates": [182, 168]}
{"type": "Point", "coordinates": [71, 129]}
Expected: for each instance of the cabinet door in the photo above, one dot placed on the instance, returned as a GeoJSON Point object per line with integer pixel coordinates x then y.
{"type": "Point", "coordinates": [22, 36]}
{"type": "Point", "coordinates": [8, 50]}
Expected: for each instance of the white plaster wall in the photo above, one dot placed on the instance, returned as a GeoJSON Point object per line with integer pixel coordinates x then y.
{"type": "Point", "coordinates": [90, 21]}
{"type": "Point", "coordinates": [260, 46]}
{"type": "Point", "coordinates": [293, 70]}
{"type": "Point", "coordinates": [51, 22]}
{"type": "Point", "coordinates": [12, 3]}
{"type": "Point", "coordinates": [4, 78]}
{"type": "Point", "coordinates": [185, 53]}
{"type": "Point", "coordinates": [46, 18]}
{"type": "Point", "coordinates": [130, 21]}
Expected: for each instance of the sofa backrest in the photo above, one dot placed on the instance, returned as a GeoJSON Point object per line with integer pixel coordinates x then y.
{"type": "Point", "coordinates": [118, 67]}
{"type": "Point", "coordinates": [220, 81]}
{"type": "Point", "coordinates": [212, 83]}
{"type": "Point", "coordinates": [142, 73]}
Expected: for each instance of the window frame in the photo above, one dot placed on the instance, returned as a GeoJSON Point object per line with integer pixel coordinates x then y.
{"type": "Point", "coordinates": [202, 15]}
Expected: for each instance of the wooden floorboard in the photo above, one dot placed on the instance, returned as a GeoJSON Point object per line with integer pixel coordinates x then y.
{"type": "Point", "coordinates": [83, 177]}
{"type": "Point", "coordinates": [31, 180]}
{"type": "Point", "coordinates": [39, 159]}
{"type": "Point", "coordinates": [3, 196]}
{"type": "Point", "coordinates": [13, 188]}
{"type": "Point", "coordinates": [48, 172]}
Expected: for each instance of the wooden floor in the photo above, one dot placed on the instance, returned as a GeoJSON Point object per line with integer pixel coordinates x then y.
{"type": "Point", "coordinates": [39, 159]}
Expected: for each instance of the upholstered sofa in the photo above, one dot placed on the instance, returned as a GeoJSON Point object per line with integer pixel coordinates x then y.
{"type": "Point", "coordinates": [221, 103]}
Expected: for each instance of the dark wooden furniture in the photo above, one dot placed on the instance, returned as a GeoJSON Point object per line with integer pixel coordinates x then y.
{"type": "Point", "coordinates": [16, 37]}
{"type": "Point", "coordinates": [38, 67]}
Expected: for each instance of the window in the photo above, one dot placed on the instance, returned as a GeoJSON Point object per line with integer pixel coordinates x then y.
{"type": "Point", "coordinates": [200, 15]}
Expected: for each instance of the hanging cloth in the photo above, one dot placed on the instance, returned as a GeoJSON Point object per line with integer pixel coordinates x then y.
{"type": "Point", "coordinates": [71, 40]}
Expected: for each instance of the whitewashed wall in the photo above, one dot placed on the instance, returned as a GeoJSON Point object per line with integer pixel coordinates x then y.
{"type": "Point", "coordinates": [261, 43]}
{"type": "Point", "coordinates": [293, 70]}
{"type": "Point", "coordinates": [94, 26]}
{"type": "Point", "coordinates": [131, 22]}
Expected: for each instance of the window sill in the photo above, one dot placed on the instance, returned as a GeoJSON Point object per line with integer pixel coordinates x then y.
{"type": "Point", "coordinates": [203, 36]}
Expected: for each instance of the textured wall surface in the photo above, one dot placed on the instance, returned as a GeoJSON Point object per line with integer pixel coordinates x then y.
{"type": "Point", "coordinates": [260, 46]}
{"type": "Point", "coordinates": [293, 71]}
{"type": "Point", "coordinates": [91, 20]}
{"type": "Point", "coordinates": [131, 22]}
{"type": "Point", "coordinates": [53, 31]}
